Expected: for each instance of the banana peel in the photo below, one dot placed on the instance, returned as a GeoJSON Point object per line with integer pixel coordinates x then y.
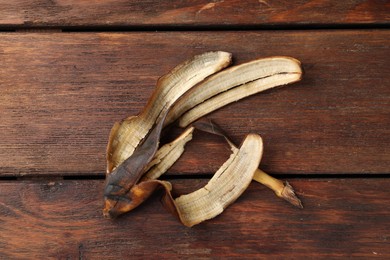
{"type": "Point", "coordinates": [191, 90]}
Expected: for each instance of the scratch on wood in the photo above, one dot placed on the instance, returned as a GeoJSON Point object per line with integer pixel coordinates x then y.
{"type": "Point", "coordinates": [208, 6]}
{"type": "Point", "coordinates": [264, 2]}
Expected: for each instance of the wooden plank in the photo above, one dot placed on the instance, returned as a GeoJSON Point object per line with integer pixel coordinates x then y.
{"type": "Point", "coordinates": [191, 13]}
{"type": "Point", "coordinates": [63, 220]}
{"type": "Point", "coordinates": [61, 93]}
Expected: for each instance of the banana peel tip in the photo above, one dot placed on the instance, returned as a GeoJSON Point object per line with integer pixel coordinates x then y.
{"type": "Point", "coordinates": [289, 195]}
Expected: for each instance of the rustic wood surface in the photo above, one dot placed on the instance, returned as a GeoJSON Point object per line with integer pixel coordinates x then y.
{"type": "Point", "coordinates": [61, 93]}
{"type": "Point", "coordinates": [70, 69]}
{"type": "Point", "coordinates": [65, 13]}
{"type": "Point", "coordinates": [63, 220]}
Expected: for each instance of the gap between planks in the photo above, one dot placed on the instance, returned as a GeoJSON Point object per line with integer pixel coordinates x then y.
{"type": "Point", "coordinates": [193, 28]}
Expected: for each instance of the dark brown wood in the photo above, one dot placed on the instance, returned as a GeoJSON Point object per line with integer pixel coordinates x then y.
{"type": "Point", "coordinates": [193, 13]}
{"type": "Point", "coordinates": [63, 220]}
{"type": "Point", "coordinates": [61, 93]}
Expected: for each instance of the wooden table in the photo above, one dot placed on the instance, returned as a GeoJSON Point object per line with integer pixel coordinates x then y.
{"type": "Point", "coordinates": [70, 69]}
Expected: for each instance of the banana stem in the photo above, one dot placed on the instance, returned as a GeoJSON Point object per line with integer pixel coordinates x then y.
{"type": "Point", "coordinates": [282, 190]}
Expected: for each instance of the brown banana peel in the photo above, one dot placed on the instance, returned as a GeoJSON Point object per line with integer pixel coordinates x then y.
{"type": "Point", "coordinates": [233, 84]}
{"type": "Point", "coordinates": [124, 192]}
{"type": "Point", "coordinates": [126, 135]}
{"type": "Point", "coordinates": [167, 155]}
{"type": "Point", "coordinates": [227, 184]}
{"type": "Point", "coordinates": [188, 92]}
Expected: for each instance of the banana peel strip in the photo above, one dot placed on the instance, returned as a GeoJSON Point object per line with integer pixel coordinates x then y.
{"type": "Point", "coordinates": [167, 155]}
{"type": "Point", "coordinates": [134, 160]}
{"type": "Point", "coordinates": [227, 184]}
{"type": "Point", "coordinates": [123, 192]}
{"type": "Point", "coordinates": [127, 135]}
{"type": "Point", "coordinates": [233, 84]}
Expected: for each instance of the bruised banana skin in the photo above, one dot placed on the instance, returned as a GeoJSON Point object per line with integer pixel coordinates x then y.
{"type": "Point", "coordinates": [218, 90]}
{"type": "Point", "coordinates": [211, 200]}
{"type": "Point", "coordinates": [126, 135]}
{"type": "Point", "coordinates": [123, 192]}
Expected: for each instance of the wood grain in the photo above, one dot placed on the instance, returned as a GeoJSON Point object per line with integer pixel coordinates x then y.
{"type": "Point", "coordinates": [65, 13]}
{"type": "Point", "coordinates": [63, 220]}
{"type": "Point", "coordinates": [61, 93]}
